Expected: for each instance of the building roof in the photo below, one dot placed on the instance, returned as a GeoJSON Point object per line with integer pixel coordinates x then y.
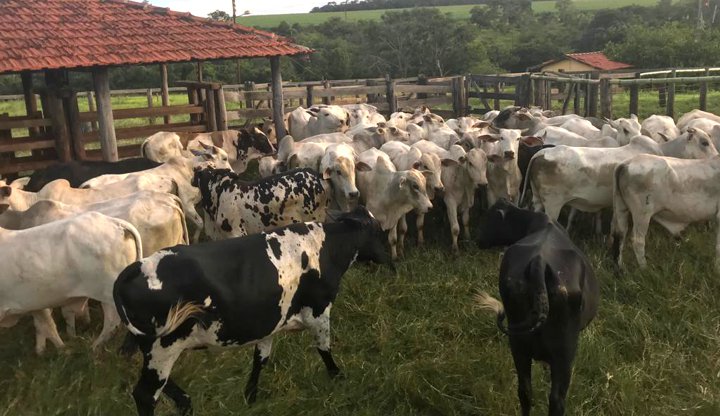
{"type": "Point", "coordinates": [53, 34]}
{"type": "Point", "coordinates": [597, 60]}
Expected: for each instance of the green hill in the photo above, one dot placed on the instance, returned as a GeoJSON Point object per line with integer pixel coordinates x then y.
{"type": "Point", "coordinates": [459, 12]}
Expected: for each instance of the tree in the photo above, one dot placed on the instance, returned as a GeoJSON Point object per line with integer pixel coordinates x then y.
{"type": "Point", "coordinates": [220, 16]}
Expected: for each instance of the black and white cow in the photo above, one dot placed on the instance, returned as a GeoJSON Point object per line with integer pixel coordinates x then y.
{"type": "Point", "coordinates": [549, 294]}
{"type": "Point", "coordinates": [78, 172]}
{"type": "Point", "coordinates": [239, 291]}
{"type": "Point", "coordinates": [236, 208]}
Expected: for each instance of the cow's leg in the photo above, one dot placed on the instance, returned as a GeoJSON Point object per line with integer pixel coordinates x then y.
{"type": "Point", "coordinates": [157, 363]}
{"type": "Point", "coordinates": [523, 366]}
{"type": "Point", "coordinates": [69, 316]}
{"type": "Point", "coordinates": [320, 328]}
{"type": "Point", "coordinates": [392, 239]}
{"type": "Point", "coordinates": [598, 223]}
{"type": "Point", "coordinates": [129, 345]}
{"type": "Point", "coordinates": [401, 231]}
{"type": "Point", "coordinates": [560, 373]}
{"type": "Point", "coordinates": [618, 232]}
{"type": "Point", "coordinates": [570, 218]}
{"type": "Point", "coordinates": [45, 329]}
{"type": "Point", "coordinates": [452, 209]}
{"type": "Point", "coordinates": [110, 322]}
{"type": "Point", "coordinates": [420, 225]}
{"type": "Point", "coordinates": [260, 358]}
{"type": "Point", "coordinates": [641, 223]}
{"type": "Point", "coordinates": [179, 397]}
{"type": "Point", "coordinates": [466, 222]}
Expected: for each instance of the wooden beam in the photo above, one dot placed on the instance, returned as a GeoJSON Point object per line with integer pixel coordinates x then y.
{"type": "Point", "coordinates": [606, 98]}
{"type": "Point", "coordinates": [211, 118]}
{"type": "Point", "coordinates": [200, 71]}
{"type": "Point", "coordinates": [670, 109]}
{"type": "Point", "coordinates": [703, 92]}
{"type": "Point", "coordinates": [278, 105]}
{"type": "Point", "coordinates": [221, 110]}
{"type": "Point", "coordinates": [55, 79]}
{"type": "Point", "coordinates": [108, 142]}
{"type": "Point", "coordinates": [164, 89]}
{"type": "Point", "coordinates": [29, 97]}
{"type": "Point", "coordinates": [91, 108]}
{"type": "Point", "coordinates": [75, 126]}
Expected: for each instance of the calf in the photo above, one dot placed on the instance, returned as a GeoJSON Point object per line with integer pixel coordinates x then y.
{"type": "Point", "coordinates": [77, 172]}
{"type": "Point", "coordinates": [550, 292]}
{"type": "Point", "coordinates": [673, 192]}
{"type": "Point", "coordinates": [237, 208]}
{"type": "Point", "coordinates": [73, 258]}
{"type": "Point", "coordinates": [240, 291]}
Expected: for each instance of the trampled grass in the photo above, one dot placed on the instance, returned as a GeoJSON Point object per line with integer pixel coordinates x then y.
{"type": "Point", "coordinates": [413, 344]}
{"type": "Point", "coordinates": [458, 12]}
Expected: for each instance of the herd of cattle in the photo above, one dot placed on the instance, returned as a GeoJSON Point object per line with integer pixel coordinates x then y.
{"type": "Point", "coordinates": [332, 191]}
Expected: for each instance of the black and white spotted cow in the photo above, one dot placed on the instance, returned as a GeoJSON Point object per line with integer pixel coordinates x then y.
{"type": "Point", "coordinates": [240, 291]}
{"type": "Point", "coordinates": [234, 208]}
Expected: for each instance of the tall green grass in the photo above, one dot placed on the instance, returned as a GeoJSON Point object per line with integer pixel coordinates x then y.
{"type": "Point", "coordinates": [413, 344]}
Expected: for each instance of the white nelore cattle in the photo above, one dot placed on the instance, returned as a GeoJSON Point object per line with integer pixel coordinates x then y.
{"type": "Point", "coordinates": [304, 123]}
{"type": "Point", "coordinates": [180, 170]}
{"type": "Point", "coordinates": [157, 216]}
{"type": "Point", "coordinates": [269, 165]}
{"type": "Point", "coordinates": [695, 114]}
{"type": "Point", "coordinates": [363, 113]}
{"type": "Point", "coordinates": [389, 194]}
{"type": "Point", "coordinates": [673, 192]}
{"type": "Point", "coordinates": [462, 178]}
{"type": "Point", "coordinates": [560, 136]}
{"type": "Point", "coordinates": [338, 166]}
{"type": "Point", "coordinates": [437, 132]}
{"type": "Point", "coordinates": [659, 128]}
{"type": "Point", "coordinates": [582, 177]}
{"type": "Point", "coordinates": [503, 174]}
{"type": "Point", "coordinates": [53, 264]}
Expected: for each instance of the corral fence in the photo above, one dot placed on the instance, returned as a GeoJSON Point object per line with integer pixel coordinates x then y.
{"type": "Point", "coordinates": [65, 125]}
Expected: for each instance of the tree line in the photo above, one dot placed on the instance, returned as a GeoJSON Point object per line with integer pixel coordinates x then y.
{"type": "Point", "coordinates": [500, 36]}
{"type": "Point", "coordinates": [355, 5]}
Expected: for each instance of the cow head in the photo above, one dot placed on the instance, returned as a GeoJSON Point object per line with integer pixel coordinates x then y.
{"type": "Point", "coordinates": [504, 224]}
{"type": "Point", "coordinates": [513, 118]}
{"type": "Point", "coordinates": [371, 239]}
{"type": "Point", "coordinates": [627, 128]}
{"type": "Point", "coordinates": [339, 170]}
{"type": "Point", "coordinates": [698, 144]}
{"type": "Point", "coordinates": [251, 144]}
{"type": "Point", "coordinates": [412, 188]}
{"type": "Point", "coordinates": [210, 156]}
{"type": "Point", "coordinates": [429, 165]}
{"type": "Point", "coordinates": [330, 119]}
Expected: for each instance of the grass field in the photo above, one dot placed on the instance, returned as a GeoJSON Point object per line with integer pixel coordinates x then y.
{"type": "Point", "coordinates": [458, 12]}
{"type": "Point", "coordinates": [413, 344]}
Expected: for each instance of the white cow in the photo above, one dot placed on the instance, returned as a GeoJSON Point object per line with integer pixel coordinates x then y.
{"type": "Point", "coordinates": [673, 192]}
{"type": "Point", "coordinates": [389, 194]}
{"type": "Point", "coordinates": [582, 177]}
{"type": "Point", "coordinates": [695, 114]}
{"type": "Point", "coordinates": [659, 128]}
{"type": "Point", "coordinates": [338, 166]}
{"type": "Point", "coordinates": [304, 123]}
{"type": "Point", "coordinates": [49, 265]}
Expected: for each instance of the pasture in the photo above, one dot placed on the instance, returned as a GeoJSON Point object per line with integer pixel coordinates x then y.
{"type": "Point", "coordinates": [457, 12]}
{"type": "Point", "coordinates": [413, 344]}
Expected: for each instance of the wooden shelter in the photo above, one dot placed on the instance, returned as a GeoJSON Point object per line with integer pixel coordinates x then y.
{"type": "Point", "coordinates": [54, 37]}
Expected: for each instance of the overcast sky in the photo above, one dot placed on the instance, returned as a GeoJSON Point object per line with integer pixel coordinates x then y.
{"type": "Point", "coordinates": [203, 7]}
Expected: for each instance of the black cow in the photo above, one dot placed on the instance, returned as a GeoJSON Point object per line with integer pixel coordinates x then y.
{"type": "Point", "coordinates": [78, 172]}
{"type": "Point", "coordinates": [239, 291]}
{"type": "Point", "coordinates": [527, 148]}
{"type": "Point", "coordinates": [549, 293]}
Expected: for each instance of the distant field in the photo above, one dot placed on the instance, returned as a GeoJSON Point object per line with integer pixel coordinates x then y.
{"type": "Point", "coordinates": [458, 12]}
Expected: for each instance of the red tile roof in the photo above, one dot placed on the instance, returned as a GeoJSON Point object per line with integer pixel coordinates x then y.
{"type": "Point", "coordinates": [52, 34]}
{"type": "Point", "coordinates": [597, 60]}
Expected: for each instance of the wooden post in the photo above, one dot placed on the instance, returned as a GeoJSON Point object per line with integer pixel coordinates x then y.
{"type": "Point", "coordinates": [390, 94]}
{"type": "Point", "coordinates": [539, 93]}
{"type": "Point", "coordinates": [211, 118]}
{"type": "Point", "coordinates": [108, 142]}
{"type": "Point", "coordinates": [371, 98]}
{"type": "Point", "coordinates": [164, 89]}
{"type": "Point", "coordinates": [55, 81]}
{"type": "Point", "coordinates": [30, 101]}
{"type": "Point", "coordinates": [606, 98]}
{"type": "Point", "coordinates": [457, 110]}
{"type": "Point", "coordinates": [78, 143]}
{"type": "Point", "coordinates": [671, 96]}
{"type": "Point", "coordinates": [200, 71]}
{"type": "Point", "coordinates": [593, 96]}
{"type": "Point", "coordinates": [278, 106]}
{"type": "Point", "coordinates": [576, 99]}
{"type": "Point", "coordinates": [634, 97]}
{"type": "Point", "coordinates": [222, 123]}
{"type": "Point", "coordinates": [310, 99]}
{"type": "Point", "coordinates": [523, 91]}
{"type": "Point", "coordinates": [249, 87]}
{"type": "Point", "coordinates": [586, 102]}
{"type": "Point", "coordinates": [568, 94]}
{"type": "Point", "coordinates": [496, 101]}
{"type": "Point", "coordinates": [422, 80]}
{"type": "Point", "coordinates": [149, 95]}
{"type": "Point", "coordinates": [703, 91]}
{"type": "Point", "coordinates": [326, 99]}
{"type": "Point", "coordinates": [548, 95]}
{"type": "Point", "coordinates": [193, 99]}
{"type": "Point", "coordinates": [91, 108]}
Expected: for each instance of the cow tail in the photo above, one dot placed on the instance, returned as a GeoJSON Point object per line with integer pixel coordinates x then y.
{"type": "Point", "coordinates": [129, 228]}
{"type": "Point", "coordinates": [620, 212]}
{"type": "Point", "coordinates": [178, 205]}
{"type": "Point", "coordinates": [489, 303]}
{"type": "Point", "coordinates": [526, 179]}
{"type": "Point", "coordinates": [129, 273]}
{"type": "Point", "coordinates": [177, 315]}
{"type": "Point", "coordinates": [541, 303]}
